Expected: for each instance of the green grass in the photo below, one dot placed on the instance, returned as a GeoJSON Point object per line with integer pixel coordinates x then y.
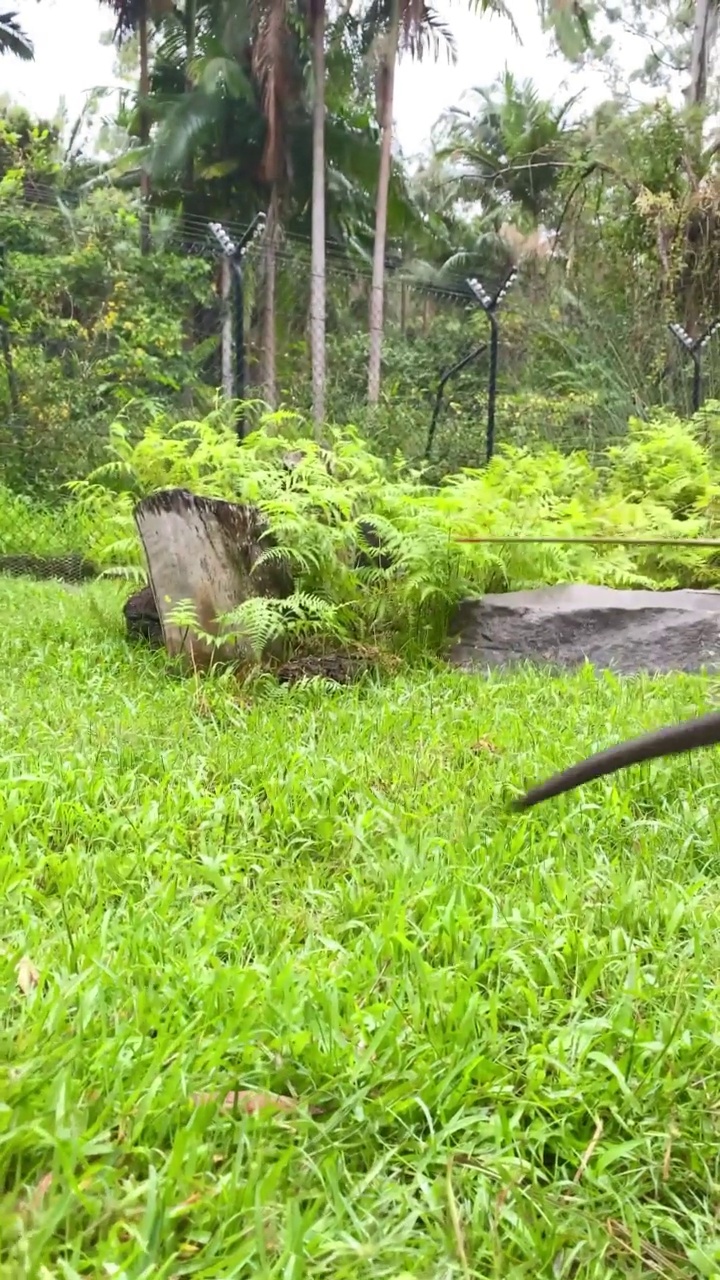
{"type": "Point", "coordinates": [323, 895]}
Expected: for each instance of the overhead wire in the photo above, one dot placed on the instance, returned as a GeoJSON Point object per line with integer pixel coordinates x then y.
{"type": "Point", "coordinates": [337, 257]}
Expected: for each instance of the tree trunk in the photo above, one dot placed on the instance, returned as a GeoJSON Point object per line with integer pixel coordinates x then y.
{"type": "Point", "coordinates": [190, 21]}
{"type": "Point", "coordinates": [705, 25]}
{"type": "Point", "coordinates": [144, 131]}
{"type": "Point", "coordinates": [226, 331]}
{"type": "Point", "coordinates": [387, 87]}
{"type": "Point", "coordinates": [317, 268]}
{"type": "Point", "coordinates": [269, 373]}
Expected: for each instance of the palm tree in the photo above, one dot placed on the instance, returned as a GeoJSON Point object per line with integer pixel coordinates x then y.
{"type": "Point", "coordinates": [189, 22]}
{"type": "Point", "coordinates": [275, 69]}
{"type": "Point", "coordinates": [203, 101]}
{"type": "Point", "coordinates": [13, 39]}
{"type": "Point", "coordinates": [131, 17]}
{"type": "Point", "coordinates": [246, 124]}
{"type": "Point", "coordinates": [228, 122]}
{"type": "Point", "coordinates": [508, 147]}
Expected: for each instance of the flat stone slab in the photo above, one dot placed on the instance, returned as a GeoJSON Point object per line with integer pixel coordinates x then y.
{"type": "Point", "coordinates": [567, 625]}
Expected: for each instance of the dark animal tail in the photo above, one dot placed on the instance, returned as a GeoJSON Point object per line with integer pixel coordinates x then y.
{"type": "Point", "coordinates": [670, 741]}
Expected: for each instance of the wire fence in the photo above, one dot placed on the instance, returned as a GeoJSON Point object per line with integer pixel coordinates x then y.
{"type": "Point", "coordinates": [87, 329]}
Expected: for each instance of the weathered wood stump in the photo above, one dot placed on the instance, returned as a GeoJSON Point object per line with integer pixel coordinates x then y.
{"type": "Point", "coordinates": [205, 553]}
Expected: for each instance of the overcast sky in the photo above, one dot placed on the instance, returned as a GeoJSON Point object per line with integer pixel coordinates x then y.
{"type": "Point", "coordinates": [69, 61]}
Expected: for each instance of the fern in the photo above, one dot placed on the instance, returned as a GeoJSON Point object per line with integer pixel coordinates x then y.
{"type": "Point", "coordinates": [260, 620]}
{"type": "Point", "coordinates": [661, 482]}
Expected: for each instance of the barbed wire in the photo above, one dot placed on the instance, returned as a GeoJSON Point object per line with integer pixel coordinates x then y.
{"type": "Point", "coordinates": [184, 223]}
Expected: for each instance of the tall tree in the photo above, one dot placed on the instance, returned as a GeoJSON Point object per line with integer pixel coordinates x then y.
{"type": "Point", "coordinates": [705, 28]}
{"type": "Point", "coordinates": [190, 21]}
{"type": "Point", "coordinates": [317, 263]}
{"type": "Point", "coordinates": [275, 70]}
{"type": "Point", "coordinates": [413, 25]}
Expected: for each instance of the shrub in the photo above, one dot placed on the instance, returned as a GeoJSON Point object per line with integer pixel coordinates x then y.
{"type": "Point", "coordinates": [93, 328]}
{"type": "Point", "coordinates": [663, 460]}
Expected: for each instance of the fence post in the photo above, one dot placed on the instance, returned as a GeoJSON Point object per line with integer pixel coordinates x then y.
{"type": "Point", "coordinates": [694, 348]}
{"type": "Point", "coordinates": [226, 333]}
{"type": "Point", "coordinates": [490, 304]}
{"type": "Point", "coordinates": [442, 382]}
{"type": "Point", "coordinates": [234, 255]}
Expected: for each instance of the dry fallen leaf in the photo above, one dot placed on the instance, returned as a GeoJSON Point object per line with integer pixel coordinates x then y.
{"type": "Point", "coordinates": [27, 975]}
{"type": "Point", "coordinates": [247, 1100]}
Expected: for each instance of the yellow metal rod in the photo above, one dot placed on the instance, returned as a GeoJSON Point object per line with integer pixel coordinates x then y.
{"type": "Point", "coordinates": [608, 542]}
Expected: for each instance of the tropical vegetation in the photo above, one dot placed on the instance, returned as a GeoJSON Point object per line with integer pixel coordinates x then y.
{"type": "Point", "coordinates": [287, 991]}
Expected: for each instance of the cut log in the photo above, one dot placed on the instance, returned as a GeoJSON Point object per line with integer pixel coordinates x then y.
{"type": "Point", "coordinates": [204, 553]}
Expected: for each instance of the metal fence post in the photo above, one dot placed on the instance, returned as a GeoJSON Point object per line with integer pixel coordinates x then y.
{"type": "Point", "coordinates": [443, 380]}
{"type": "Point", "coordinates": [490, 303]}
{"type": "Point", "coordinates": [694, 348]}
{"type": "Point", "coordinates": [235, 253]}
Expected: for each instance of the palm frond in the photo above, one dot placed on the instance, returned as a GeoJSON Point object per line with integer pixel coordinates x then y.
{"type": "Point", "coordinates": [13, 39]}
{"type": "Point", "coordinates": [223, 75]}
{"type": "Point", "coordinates": [425, 30]}
{"type": "Point", "coordinates": [190, 117]}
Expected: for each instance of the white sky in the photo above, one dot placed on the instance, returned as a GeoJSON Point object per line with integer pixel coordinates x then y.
{"type": "Point", "coordinates": [70, 61]}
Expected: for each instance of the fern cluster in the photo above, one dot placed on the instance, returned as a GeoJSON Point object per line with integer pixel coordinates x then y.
{"type": "Point", "coordinates": [372, 546]}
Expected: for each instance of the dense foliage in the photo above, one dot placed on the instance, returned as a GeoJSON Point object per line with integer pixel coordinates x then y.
{"type": "Point", "coordinates": [286, 991]}
{"type": "Point", "coordinates": [660, 482]}
{"type": "Point", "coordinates": [112, 286]}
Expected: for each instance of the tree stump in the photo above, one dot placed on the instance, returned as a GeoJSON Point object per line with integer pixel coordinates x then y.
{"type": "Point", "coordinates": [204, 552]}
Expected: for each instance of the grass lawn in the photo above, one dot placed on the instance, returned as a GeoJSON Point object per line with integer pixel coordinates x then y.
{"type": "Point", "coordinates": [502, 1032]}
